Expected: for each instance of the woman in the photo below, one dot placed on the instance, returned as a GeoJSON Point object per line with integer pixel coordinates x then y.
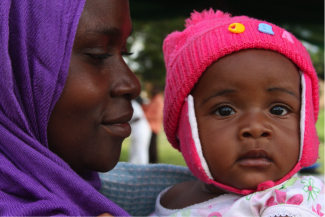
{"type": "Point", "coordinates": [64, 105]}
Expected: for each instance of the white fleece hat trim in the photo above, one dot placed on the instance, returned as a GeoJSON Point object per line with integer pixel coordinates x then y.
{"type": "Point", "coordinates": [195, 135]}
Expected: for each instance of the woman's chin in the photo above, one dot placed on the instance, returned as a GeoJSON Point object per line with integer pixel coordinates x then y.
{"type": "Point", "coordinates": [101, 163]}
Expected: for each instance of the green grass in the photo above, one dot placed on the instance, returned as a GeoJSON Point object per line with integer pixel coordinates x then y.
{"type": "Point", "coordinates": [320, 126]}
{"type": "Point", "coordinates": [320, 133]}
{"type": "Point", "coordinates": [167, 154]}
{"type": "Point", "coordinates": [321, 158]}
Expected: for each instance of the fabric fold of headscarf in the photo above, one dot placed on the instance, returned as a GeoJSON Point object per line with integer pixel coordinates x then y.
{"type": "Point", "coordinates": [36, 39]}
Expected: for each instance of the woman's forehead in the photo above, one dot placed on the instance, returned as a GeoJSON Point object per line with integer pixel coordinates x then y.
{"type": "Point", "coordinates": [105, 16]}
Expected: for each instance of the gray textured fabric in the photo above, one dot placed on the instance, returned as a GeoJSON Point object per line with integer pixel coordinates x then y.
{"type": "Point", "coordinates": [135, 187]}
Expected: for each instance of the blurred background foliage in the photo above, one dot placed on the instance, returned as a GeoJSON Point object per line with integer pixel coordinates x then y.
{"type": "Point", "coordinates": [318, 60]}
{"type": "Point", "coordinates": [154, 20]}
{"type": "Point", "coordinates": [146, 42]}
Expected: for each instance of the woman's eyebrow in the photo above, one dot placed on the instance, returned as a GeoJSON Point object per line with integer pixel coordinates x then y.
{"type": "Point", "coordinates": [112, 32]}
{"type": "Point", "coordinates": [104, 31]}
{"type": "Point", "coordinates": [219, 94]}
{"type": "Point", "coordinates": [282, 90]}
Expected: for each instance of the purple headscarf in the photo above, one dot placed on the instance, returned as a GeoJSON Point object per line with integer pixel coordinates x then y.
{"type": "Point", "coordinates": [36, 39]}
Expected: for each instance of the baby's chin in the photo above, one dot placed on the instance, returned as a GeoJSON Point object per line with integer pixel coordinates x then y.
{"type": "Point", "coordinates": [250, 181]}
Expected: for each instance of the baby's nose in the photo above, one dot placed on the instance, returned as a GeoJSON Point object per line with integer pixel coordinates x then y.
{"type": "Point", "coordinates": [255, 128]}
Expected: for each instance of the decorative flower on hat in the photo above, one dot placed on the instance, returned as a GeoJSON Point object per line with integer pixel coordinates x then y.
{"type": "Point", "coordinates": [309, 188]}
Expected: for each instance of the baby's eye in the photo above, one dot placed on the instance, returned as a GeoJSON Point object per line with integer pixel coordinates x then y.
{"type": "Point", "coordinates": [278, 110]}
{"type": "Point", "coordinates": [225, 111]}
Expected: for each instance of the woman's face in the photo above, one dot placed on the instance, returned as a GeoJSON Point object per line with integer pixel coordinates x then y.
{"type": "Point", "coordinates": [89, 122]}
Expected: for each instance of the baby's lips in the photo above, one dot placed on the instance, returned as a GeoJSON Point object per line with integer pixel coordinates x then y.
{"type": "Point", "coordinates": [254, 162]}
{"type": "Point", "coordinates": [255, 153]}
{"type": "Point", "coordinates": [255, 158]}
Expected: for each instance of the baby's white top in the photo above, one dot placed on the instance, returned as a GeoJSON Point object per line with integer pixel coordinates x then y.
{"type": "Point", "coordinates": [299, 196]}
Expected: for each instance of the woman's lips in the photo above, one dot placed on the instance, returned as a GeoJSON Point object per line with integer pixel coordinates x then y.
{"type": "Point", "coordinates": [118, 126]}
{"type": "Point", "coordinates": [121, 130]}
{"type": "Point", "coordinates": [255, 158]}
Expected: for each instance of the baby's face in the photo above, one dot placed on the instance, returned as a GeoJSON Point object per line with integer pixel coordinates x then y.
{"type": "Point", "coordinates": [247, 106]}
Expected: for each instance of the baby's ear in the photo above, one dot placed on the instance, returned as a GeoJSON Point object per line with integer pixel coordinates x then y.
{"type": "Point", "coordinates": [173, 44]}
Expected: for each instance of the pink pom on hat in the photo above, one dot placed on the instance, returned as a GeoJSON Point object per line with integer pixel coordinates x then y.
{"type": "Point", "coordinates": [207, 38]}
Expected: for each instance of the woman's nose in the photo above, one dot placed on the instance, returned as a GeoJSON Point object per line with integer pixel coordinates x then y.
{"type": "Point", "coordinates": [126, 84]}
{"type": "Point", "coordinates": [255, 127]}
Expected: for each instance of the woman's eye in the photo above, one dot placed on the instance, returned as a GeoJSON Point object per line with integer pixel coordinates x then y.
{"type": "Point", "coordinates": [225, 111]}
{"type": "Point", "coordinates": [126, 53]}
{"type": "Point", "coordinates": [99, 56]}
{"type": "Point", "coordinates": [278, 110]}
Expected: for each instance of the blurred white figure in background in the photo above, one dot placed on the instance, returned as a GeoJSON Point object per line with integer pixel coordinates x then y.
{"type": "Point", "coordinates": [140, 136]}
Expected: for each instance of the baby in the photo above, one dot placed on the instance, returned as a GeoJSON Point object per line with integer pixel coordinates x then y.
{"type": "Point", "coordinates": [241, 102]}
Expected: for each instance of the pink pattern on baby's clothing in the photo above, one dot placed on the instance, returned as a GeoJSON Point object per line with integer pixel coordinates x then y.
{"type": "Point", "coordinates": [296, 199]}
{"type": "Point", "coordinates": [317, 210]}
{"type": "Point", "coordinates": [215, 214]}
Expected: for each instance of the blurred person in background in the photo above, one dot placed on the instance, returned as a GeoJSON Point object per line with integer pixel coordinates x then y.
{"type": "Point", "coordinates": [140, 136]}
{"type": "Point", "coordinates": [154, 114]}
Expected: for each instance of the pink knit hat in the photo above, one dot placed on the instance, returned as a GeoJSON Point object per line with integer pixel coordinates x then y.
{"type": "Point", "coordinates": [209, 36]}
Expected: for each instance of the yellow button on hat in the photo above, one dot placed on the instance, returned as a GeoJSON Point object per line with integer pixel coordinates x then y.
{"type": "Point", "coordinates": [236, 28]}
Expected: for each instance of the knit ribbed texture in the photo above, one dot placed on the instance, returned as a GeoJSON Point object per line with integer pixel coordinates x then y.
{"type": "Point", "coordinates": [206, 39]}
{"type": "Point", "coordinates": [36, 39]}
